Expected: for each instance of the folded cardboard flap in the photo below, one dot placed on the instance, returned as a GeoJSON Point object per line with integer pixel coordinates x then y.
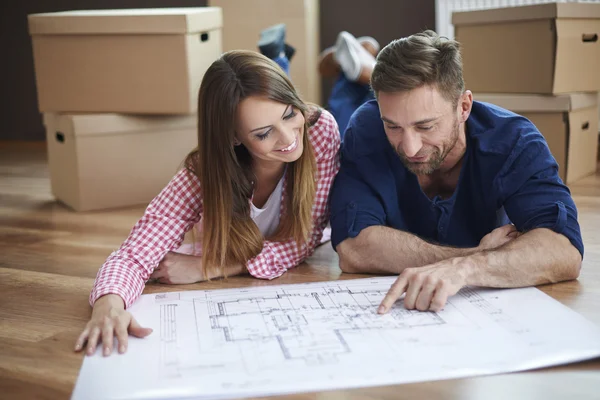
{"type": "Point", "coordinates": [136, 61]}
{"type": "Point", "coordinates": [527, 13]}
{"type": "Point", "coordinates": [245, 19]}
{"type": "Point", "coordinates": [128, 21]}
{"type": "Point", "coordinates": [539, 103]}
{"type": "Point", "coordinates": [106, 161]}
{"type": "Point", "coordinates": [107, 124]}
{"type": "Point", "coordinates": [546, 48]}
{"type": "Point", "coordinates": [569, 123]}
{"type": "Point", "coordinates": [582, 144]}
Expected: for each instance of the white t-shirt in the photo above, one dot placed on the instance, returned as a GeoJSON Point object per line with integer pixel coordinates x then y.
{"type": "Point", "coordinates": [267, 218]}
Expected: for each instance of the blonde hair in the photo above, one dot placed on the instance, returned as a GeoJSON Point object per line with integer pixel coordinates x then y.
{"type": "Point", "coordinates": [229, 236]}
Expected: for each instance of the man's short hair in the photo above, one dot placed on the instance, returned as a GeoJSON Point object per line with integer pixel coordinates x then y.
{"type": "Point", "coordinates": [421, 59]}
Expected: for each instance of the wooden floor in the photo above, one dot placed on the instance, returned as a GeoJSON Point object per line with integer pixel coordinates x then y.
{"type": "Point", "coordinates": [49, 256]}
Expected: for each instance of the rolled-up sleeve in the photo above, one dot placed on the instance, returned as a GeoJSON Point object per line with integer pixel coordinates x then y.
{"type": "Point", "coordinates": [532, 193]}
{"type": "Point", "coordinates": [161, 229]}
{"type": "Point", "coordinates": [354, 203]}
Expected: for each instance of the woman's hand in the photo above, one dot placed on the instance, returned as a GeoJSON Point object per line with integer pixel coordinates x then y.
{"type": "Point", "coordinates": [109, 319]}
{"type": "Point", "coordinates": [177, 268]}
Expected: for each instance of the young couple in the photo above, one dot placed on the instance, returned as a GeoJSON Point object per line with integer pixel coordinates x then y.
{"type": "Point", "coordinates": [434, 187]}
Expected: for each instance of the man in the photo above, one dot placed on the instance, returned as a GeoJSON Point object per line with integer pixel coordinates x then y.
{"type": "Point", "coordinates": [350, 62]}
{"type": "Point", "coordinates": [431, 183]}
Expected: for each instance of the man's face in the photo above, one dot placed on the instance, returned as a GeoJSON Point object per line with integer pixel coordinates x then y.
{"type": "Point", "coordinates": [421, 126]}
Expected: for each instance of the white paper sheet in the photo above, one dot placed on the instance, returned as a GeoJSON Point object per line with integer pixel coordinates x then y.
{"type": "Point", "coordinates": [318, 336]}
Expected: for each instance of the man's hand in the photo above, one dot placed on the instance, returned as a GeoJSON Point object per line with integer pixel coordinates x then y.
{"type": "Point", "coordinates": [176, 268]}
{"type": "Point", "coordinates": [499, 237]}
{"type": "Point", "coordinates": [428, 287]}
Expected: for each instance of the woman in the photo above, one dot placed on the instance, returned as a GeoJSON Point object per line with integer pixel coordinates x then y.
{"type": "Point", "coordinates": [255, 191]}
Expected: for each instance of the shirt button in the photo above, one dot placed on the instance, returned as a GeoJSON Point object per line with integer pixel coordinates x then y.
{"type": "Point", "coordinates": [352, 206]}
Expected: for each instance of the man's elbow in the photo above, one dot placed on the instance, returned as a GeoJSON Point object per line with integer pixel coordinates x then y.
{"type": "Point", "coordinates": [574, 265]}
{"type": "Point", "coordinates": [350, 257]}
{"type": "Point", "coordinates": [348, 264]}
{"type": "Point", "coordinates": [567, 259]}
{"type": "Point", "coordinates": [571, 260]}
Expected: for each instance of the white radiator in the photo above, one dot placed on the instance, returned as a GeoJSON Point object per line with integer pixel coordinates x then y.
{"type": "Point", "coordinates": [444, 9]}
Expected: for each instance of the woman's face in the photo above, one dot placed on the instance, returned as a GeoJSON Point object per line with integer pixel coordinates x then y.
{"type": "Point", "coordinates": [271, 131]}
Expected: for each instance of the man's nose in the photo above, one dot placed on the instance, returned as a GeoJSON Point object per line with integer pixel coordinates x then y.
{"type": "Point", "coordinates": [411, 144]}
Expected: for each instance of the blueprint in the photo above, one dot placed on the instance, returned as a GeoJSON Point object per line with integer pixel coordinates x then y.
{"type": "Point", "coordinates": [320, 336]}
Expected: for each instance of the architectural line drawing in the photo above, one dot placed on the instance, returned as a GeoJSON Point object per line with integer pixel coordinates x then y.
{"type": "Point", "coordinates": [277, 339]}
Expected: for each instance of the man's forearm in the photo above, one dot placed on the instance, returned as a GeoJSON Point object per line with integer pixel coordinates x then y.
{"type": "Point", "coordinates": [534, 258]}
{"type": "Point", "coordinates": [383, 250]}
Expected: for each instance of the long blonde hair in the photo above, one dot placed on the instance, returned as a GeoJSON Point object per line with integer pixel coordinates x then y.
{"type": "Point", "coordinates": [229, 236]}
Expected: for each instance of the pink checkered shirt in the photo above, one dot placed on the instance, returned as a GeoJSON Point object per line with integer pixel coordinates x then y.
{"type": "Point", "coordinates": [178, 208]}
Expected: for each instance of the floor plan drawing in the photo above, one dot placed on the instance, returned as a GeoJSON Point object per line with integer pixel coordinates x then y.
{"type": "Point", "coordinates": [306, 325]}
{"type": "Point", "coordinates": [293, 338]}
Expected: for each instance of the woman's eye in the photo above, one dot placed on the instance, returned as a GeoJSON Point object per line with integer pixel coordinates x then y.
{"type": "Point", "coordinates": [263, 136]}
{"type": "Point", "coordinates": [290, 115]}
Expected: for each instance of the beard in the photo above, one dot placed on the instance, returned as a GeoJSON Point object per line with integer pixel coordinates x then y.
{"type": "Point", "coordinates": [435, 155]}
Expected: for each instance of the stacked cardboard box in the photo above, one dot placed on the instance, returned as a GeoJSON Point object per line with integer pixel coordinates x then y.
{"type": "Point", "coordinates": [245, 19]}
{"type": "Point", "coordinates": [543, 62]}
{"type": "Point", "coordinates": [118, 90]}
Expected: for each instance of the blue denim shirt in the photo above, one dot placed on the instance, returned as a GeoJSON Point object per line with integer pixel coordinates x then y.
{"type": "Point", "coordinates": [508, 175]}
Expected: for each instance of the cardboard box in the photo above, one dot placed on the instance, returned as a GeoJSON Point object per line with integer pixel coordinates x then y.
{"type": "Point", "coordinates": [568, 122]}
{"type": "Point", "coordinates": [100, 161]}
{"type": "Point", "coordinates": [124, 61]}
{"type": "Point", "coordinates": [545, 49]}
{"type": "Point", "coordinates": [244, 20]}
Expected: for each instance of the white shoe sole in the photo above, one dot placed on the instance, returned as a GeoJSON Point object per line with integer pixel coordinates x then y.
{"type": "Point", "coordinates": [347, 56]}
